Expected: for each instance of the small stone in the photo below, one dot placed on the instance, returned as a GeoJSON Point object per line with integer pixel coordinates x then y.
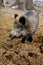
{"type": "Point", "coordinates": [4, 53]}
{"type": "Point", "coordinates": [31, 54]}
{"type": "Point", "coordinates": [16, 52]}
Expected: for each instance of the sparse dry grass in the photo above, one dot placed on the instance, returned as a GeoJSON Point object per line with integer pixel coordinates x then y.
{"type": "Point", "coordinates": [14, 52]}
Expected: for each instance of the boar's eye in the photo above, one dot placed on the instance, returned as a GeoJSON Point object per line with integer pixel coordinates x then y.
{"type": "Point", "coordinates": [22, 20]}
{"type": "Point", "coordinates": [15, 15]}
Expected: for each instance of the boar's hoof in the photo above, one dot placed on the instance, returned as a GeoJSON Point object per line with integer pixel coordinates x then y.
{"type": "Point", "coordinates": [29, 37]}
{"type": "Point", "coordinates": [23, 39]}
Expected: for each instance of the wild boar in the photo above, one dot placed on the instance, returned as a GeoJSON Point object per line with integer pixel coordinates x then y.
{"type": "Point", "coordinates": [26, 25]}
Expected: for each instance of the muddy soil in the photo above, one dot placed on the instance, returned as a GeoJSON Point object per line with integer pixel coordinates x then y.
{"type": "Point", "coordinates": [14, 52]}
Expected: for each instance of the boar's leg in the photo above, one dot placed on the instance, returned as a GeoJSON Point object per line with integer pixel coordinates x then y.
{"type": "Point", "coordinates": [23, 39]}
{"type": "Point", "coordinates": [29, 37]}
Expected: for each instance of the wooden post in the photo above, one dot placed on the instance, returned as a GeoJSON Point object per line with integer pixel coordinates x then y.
{"type": "Point", "coordinates": [1, 2]}
{"type": "Point", "coordinates": [22, 4]}
{"type": "Point", "coordinates": [25, 4]}
{"type": "Point", "coordinates": [29, 4]}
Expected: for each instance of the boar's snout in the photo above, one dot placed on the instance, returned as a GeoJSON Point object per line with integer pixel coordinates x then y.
{"type": "Point", "coordinates": [11, 37]}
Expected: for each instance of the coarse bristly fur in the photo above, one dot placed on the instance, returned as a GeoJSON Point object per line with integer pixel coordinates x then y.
{"type": "Point", "coordinates": [29, 22]}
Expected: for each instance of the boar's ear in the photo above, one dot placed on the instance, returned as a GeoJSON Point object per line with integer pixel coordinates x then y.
{"type": "Point", "coordinates": [22, 20]}
{"type": "Point", "coordinates": [15, 15]}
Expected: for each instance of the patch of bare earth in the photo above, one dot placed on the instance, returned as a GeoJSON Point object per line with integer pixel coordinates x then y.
{"type": "Point", "coordinates": [14, 52]}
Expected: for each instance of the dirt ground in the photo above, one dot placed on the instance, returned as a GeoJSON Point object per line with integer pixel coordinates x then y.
{"type": "Point", "coordinates": [14, 52]}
